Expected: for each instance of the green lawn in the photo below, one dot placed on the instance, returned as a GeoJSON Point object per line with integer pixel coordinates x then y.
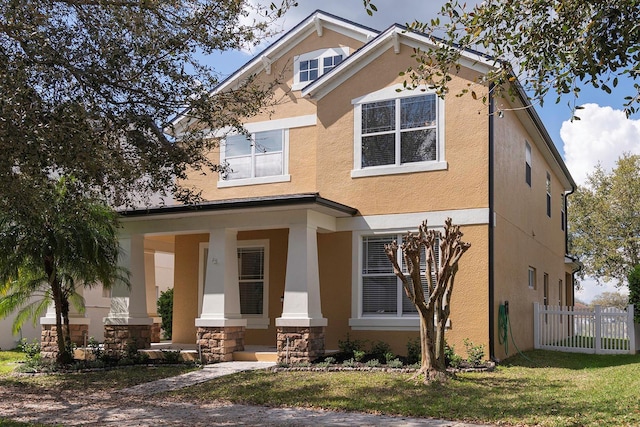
{"type": "Point", "coordinates": [553, 389]}
{"type": "Point", "coordinates": [9, 360]}
{"type": "Point", "coordinates": [550, 389]}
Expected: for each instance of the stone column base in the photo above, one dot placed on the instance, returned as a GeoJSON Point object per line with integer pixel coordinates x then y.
{"type": "Point", "coordinates": [155, 332]}
{"type": "Point", "coordinates": [305, 343]}
{"type": "Point", "coordinates": [49, 338]}
{"type": "Point", "coordinates": [119, 339]}
{"type": "Point", "coordinates": [217, 343]}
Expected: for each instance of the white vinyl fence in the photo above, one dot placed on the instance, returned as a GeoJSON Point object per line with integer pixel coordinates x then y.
{"type": "Point", "coordinates": [599, 330]}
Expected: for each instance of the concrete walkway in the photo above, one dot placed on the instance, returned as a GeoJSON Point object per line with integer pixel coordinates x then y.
{"type": "Point", "coordinates": [207, 373]}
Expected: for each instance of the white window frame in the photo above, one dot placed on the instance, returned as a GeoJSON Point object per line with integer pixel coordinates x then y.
{"type": "Point", "coordinates": [319, 54]}
{"type": "Point", "coordinates": [382, 322]}
{"type": "Point", "coordinates": [548, 199]}
{"type": "Point", "coordinates": [396, 92]}
{"type": "Point", "coordinates": [528, 170]}
{"type": "Point", "coordinates": [254, 321]}
{"type": "Point", "coordinates": [531, 279]}
{"type": "Point", "coordinates": [280, 124]}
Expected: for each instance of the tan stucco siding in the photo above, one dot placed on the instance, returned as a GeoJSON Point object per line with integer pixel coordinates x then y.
{"type": "Point", "coordinates": [334, 261]}
{"type": "Point", "coordinates": [185, 294]}
{"type": "Point", "coordinates": [463, 185]}
{"type": "Point", "coordinates": [524, 235]}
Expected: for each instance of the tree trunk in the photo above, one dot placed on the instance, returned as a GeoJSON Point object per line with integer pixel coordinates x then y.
{"type": "Point", "coordinates": [66, 328]}
{"type": "Point", "coordinates": [64, 357]}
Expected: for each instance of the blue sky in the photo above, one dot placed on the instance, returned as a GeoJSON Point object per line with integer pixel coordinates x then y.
{"type": "Point", "coordinates": [601, 136]}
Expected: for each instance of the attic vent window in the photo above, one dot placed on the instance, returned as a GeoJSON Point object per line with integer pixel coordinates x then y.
{"type": "Point", "coordinates": [310, 66]}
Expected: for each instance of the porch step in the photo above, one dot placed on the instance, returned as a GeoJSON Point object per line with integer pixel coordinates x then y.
{"type": "Point", "coordinates": [185, 355]}
{"type": "Point", "coordinates": [256, 355]}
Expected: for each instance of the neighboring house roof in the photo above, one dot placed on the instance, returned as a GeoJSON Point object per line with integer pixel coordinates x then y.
{"type": "Point", "coordinates": [312, 200]}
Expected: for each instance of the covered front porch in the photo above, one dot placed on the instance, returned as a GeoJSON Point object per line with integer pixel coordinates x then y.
{"type": "Point", "coordinates": [246, 273]}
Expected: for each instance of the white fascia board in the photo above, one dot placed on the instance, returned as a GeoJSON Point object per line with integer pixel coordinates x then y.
{"type": "Point", "coordinates": [411, 221]}
{"type": "Point", "coordinates": [468, 59]}
{"type": "Point", "coordinates": [377, 47]}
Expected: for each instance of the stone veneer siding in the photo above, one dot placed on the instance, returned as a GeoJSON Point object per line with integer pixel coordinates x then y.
{"type": "Point", "coordinates": [155, 332]}
{"type": "Point", "coordinates": [217, 344]}
{"type": "Point", "coordinates": [49, 337]}
{"type": "Point", "coordinates": [119, 338]}
{"type": "Point", "coordinates": [305, 343]}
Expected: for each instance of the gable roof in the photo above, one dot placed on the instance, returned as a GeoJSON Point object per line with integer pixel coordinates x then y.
{"type": "Point", "coordinates": [395, 36]}
{"type": "Point", "coordinates": [316, 22]}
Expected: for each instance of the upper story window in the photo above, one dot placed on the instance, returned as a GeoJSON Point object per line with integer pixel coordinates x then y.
{"type": "Point", "coordinates": [260, 155]}
{"type": "Point", "coordinates": [548, 195]}
{"type": "Point", "coordinates": [527, 163]}
{"type": "Point", "coordinates": [563, 210]}
{"type": "Point", "coordinates": [309, 66]}
{"type": "Point", "coordinates": [398, 133]}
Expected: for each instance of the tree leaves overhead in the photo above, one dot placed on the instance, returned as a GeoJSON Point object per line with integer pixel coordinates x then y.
{"type": "Point", "coordinates": [604, 218]}
{"type": "Point", "coordinates": [86, 87]}
{"type": "Point", "coordinates": [554, 46]}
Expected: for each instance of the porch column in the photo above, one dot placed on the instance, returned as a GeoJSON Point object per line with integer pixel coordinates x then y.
{"type": "Point", "coordinates": [78, 329]}
{"type": "Point", "coordinates": [152, 296]}
{"type": "Point", "coordinates": [220, 328]}
{"type": "Point", "coordinates": [300, 329]}
{"type": "Point", "coordinates": [128, 325]}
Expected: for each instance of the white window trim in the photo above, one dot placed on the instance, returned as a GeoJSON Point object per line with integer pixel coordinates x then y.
{"type": "Point", "coordinates": [319, 54]}
{"type": "Point", "coordinates": [254, 321]}
{"type": "Point", "coordinates": [531, 283]}
{"type": "Point", "coordinates": [252, 128]}
{"type": "Point", "coordinates": [371, 322]}
{"type": "Point", "coordinates": [284, 177]}
{"type": "Point", "coordinates": [396, 92]}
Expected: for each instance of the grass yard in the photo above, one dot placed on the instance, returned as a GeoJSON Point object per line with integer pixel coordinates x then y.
{"type": "Point", "coordinates": [553, 389]}
{"type": "Point", "coordinates": [111, 379]}
{"type": "Point", "coordinates": [9, 360]}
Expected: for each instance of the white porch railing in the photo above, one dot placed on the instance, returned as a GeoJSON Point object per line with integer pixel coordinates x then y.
{"type": "Point", "coordinates": [599, 330]}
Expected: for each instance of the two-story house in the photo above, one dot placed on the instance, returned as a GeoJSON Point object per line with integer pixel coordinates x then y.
{"type": "Point", "coordinates": [287, 250]}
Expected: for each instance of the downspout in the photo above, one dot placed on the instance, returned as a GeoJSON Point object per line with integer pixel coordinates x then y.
{"type": "Point", "coordinates": [566, 244]}
{"type": "Point", "coordinates": [491, 225]}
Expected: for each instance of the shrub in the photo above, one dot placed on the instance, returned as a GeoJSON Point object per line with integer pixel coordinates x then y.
{"type": "Point", "coordinates": [358, 355]}
{"type": "Point", "coordinates": [165, 311]}
{"type": "Point", "coordinates": [475, 353]}
{"type": "Point", "coordinates": [349, 346]}
{"type": "Point", "coordinates": [31, 350]}
{"type": "Point", "coordinates": [330, 360]}
{"type": "Point", "coordinates": [349, 363]}
{"type": "Point", "coordinates": [395, 363]}
{"type": "Point", "coordinates": [373, 363]}
{"type": "Point", "coordinates": [379, 349]}
{"type": "Point", "coordinates": [171, 356]}
{"type": "Point", "coordinates": [414, 351]}
{"type": "Point", "coordinates": [450, 356]}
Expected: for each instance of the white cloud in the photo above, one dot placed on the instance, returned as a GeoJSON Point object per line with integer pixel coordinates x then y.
{"type": "Point", "coordinates": [602, 135]}
{"type": "Point", "coordinates": [590, 289]}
